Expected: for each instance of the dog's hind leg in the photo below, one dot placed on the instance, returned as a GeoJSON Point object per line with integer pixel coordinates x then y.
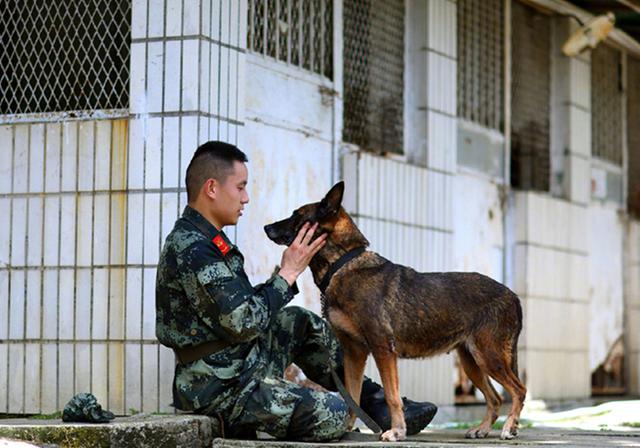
{"type": "Point", "coordinates": [498, 363]}
{"type": "Point", "coordinates": [481, 380]}
{"type": "Point", "coordinates": [387, 363]}
{"type": "Point", "coordinates": [355, 359]}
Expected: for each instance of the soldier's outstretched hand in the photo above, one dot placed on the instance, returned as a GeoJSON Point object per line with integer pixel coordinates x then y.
{"type": "Point", "coordinates": [297, 256]}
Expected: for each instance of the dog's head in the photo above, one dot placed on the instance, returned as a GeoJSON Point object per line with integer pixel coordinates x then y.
{"type": "Point", "coordinates": [325, 213]}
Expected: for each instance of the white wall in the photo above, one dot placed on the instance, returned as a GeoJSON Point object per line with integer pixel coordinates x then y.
{"type": "Point", "coordinates": [632, 304]}
{"type": "Point", "coordinates": [478, 226]}
{"type": "Point", "coordinates": [551, 278]}
{"type": "Point", "coordinates": [606, 233]}
{"type": "Point", "coordinates": [85, 205]}
{"type": "Point", "coordinates": [288, 139]}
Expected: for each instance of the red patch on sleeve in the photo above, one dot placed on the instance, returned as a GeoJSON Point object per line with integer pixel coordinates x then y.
{"type": "Point", "coordinates": [221, 244]}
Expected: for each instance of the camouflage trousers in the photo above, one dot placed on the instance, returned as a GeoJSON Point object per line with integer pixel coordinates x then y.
{"type": "Point", "coordinates": [285, 409]}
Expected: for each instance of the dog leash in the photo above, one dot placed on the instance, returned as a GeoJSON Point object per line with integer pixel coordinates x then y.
{"type": "Point", "coordinates": [344, 259]}
{"type": "Point", "coordinates": [360, 413]}
{"type": "Point", "coordinates": [346, 396]}
{"type": "Point", "coordinates": [366, 419]}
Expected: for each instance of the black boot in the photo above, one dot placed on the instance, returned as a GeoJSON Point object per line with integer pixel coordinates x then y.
{"type": "Point", "coordinates": [417, 415]}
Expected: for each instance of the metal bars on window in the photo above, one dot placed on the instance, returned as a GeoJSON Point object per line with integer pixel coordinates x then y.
{"type": "Point", "coordinates": [480, 62]}
{"type": "Point", "coordinates": [633, 135]}
{"type": "Point", "coordinates": [374, 74]}
{"type": "Point", "coordinates": [298, 32]}
{"type": "Point", "coordinates": [606, 104]}
{"type": "Point", "coordinates": [64, 55]}
{"type": "Point", "coordinates": [530, 98]}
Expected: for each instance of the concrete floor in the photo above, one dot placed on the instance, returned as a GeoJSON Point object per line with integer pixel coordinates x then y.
{"type": "Point", "coordinates": [531, 437]}
{"type": "Point", "coordinates": [610, 424]}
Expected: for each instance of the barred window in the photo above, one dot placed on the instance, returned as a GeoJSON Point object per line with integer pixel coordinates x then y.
{"type": "Point", "coordinates": [606, 104]}
{"type": "Point", "coordinates": [633, 135]}
{"type": "Point", "coordinates": [374, 74]}
{"type": "Point", "coordinates": [298, 32]}
{"type": "Point", "coordinates": [480, 62]}
{"type": "Point", "coordinates": [64, 55]}
{"type": "Point", "coordinates": [530, 98]}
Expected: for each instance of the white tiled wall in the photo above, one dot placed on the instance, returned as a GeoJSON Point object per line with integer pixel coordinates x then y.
{"type": "Point", "coordinates": [405, 212]}
{"type": "Point", "coordinates": [86, 205]}
{"type": "Point", "coordinates": [632, 304]}
{"type": "Point", "coordinates": [551, 267]}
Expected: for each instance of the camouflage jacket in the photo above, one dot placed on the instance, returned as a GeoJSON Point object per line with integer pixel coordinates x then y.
{"type": "Point", "coordinates": [203, 294]}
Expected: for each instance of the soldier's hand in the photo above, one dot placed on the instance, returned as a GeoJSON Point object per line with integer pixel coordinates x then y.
{"type": "Point", "coordinates": [297, 256]}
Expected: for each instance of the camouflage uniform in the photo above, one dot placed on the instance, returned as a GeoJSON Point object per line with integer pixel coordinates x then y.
{"type": "Point", "coordinates": [203, 294]}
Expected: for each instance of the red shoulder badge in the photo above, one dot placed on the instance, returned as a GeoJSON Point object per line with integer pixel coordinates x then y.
{"type": "Point", "coordinates": [221, 244]}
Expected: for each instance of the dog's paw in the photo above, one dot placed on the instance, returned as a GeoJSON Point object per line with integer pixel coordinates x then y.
{"type": "Point", "coordinates": [394, 435]}
{"type": "Point", "coordinates": [509, 432]}
{"type": "Point", "coordinates": [479, 432]}
{"type": "Point", "coordinates": [351, 422]}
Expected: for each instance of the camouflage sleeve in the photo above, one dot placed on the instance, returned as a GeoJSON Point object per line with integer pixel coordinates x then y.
{"type": "Point", "coordinates": [226, 302]}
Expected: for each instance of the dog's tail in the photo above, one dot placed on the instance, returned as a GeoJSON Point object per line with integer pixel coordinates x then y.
{"type": "Point", "coordinates": [514, 345]}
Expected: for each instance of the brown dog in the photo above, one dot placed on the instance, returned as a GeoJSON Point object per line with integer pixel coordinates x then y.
{"type": "Point", "coordinates": [391, 311]}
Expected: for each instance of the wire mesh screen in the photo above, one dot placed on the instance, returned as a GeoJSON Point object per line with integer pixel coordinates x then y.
{"type": "Point", "coordinates": [480, 56]}
{"type": "Point", "coordinates": [633, 135]}
{"type": "Point", "coordinates": [530, 97]}
{"type": "Point", "coordinates": [606, 104]}
{"type": "Point", "coordinates": [374, 74]}
{"type": "Point", "coordinates": [298, 32]}
{"type": "Point", "coordinates": [64, 55]}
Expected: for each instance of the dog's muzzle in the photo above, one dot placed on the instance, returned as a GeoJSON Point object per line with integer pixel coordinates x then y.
{"type": "Point", "coordinates": [276, 235]}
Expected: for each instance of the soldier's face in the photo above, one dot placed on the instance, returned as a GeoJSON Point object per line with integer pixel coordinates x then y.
{"type": "Point", "coordinates": [231, 196]}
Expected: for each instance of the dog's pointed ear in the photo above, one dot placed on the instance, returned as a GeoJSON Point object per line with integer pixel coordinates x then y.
{"type": "Point", "coordinates": [330, 204]}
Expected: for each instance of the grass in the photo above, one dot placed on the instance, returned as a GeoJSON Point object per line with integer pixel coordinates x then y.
{"type": "Point", "coordinates": [631, 424]}
{"type": "Point", "coordinates": [52, 416]}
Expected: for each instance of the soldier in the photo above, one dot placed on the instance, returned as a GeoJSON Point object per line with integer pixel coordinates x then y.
{"type": "Point", "coordinates": [232, 340]}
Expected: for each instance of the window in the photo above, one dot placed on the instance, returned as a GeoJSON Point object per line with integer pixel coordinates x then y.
{"type": "Point", "coordinates": [480, 62]}
{"type": "Point", "coordinates": [298, 32]}
{"type": "Point", "coordinates": [64, 55]}
{"type": "Point", "coordinates": [606, 104]}
{"type": "Point", "coordinates": [633, 136]}
{"type": "Point", "coordinates": [530, 98]}
{"type": "Point", "coordinates": [606, 124]}
{"type": "Point", "coordinates": [374, 74]}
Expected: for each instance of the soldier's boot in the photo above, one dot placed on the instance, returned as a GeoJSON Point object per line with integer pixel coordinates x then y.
{"type": "Point", "coordinates": [417, 415]}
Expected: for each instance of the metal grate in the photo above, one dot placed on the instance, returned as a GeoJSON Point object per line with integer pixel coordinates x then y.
{"type": "Point", "coordinates": [298, 32]}
{"type": "Point", "coordinates": [64, 56]}
{"type": "Point", "coordinates": [633, 135]}
{"type": "Point", "coordinates": [374, 74]}
{"type": "Point", "coordinates": [606, 104]}
{"type": "Point", "coordinates": [530, 96]}
{"type": "Point", "coordinates": [480, 62]}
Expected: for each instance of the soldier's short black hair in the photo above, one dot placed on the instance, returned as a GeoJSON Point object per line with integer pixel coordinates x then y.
{"type": "Point", "coordinates": [213, 159]}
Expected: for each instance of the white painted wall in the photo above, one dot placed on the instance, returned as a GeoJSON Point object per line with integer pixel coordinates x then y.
{"type": "Point", "coordinates": [551, 278]}
{"type": "Point", "coordinates": [288, 139]}
{"type": "Point", "coordinates": [606, 233]}
{"type": "Point", "coordinates": [85, 205]}
{"type": "Point", "coordinates": [632, 304]}
{"type": "Point", "coordinates": [478, 226]}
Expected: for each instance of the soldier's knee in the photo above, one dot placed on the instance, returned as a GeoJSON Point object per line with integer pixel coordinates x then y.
{"type": "Point", "coordinates": [333, 421]}
{"type": "Point", "coordinates": [296, 312]}
{"type": "Point", "coordinates": [298, 317]}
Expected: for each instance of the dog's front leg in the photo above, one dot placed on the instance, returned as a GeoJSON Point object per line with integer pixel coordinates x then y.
{"type": "Point", "coordinates": [387, 363]}
{"type": "Point", "coordinates": [355, 359]}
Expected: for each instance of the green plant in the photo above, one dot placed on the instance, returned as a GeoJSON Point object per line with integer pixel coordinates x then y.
{"type": "Point", "coordinates": [52, 416]}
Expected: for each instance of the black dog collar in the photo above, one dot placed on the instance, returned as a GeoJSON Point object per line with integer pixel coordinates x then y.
{"type": "Point", "coordinates": [353, 253]}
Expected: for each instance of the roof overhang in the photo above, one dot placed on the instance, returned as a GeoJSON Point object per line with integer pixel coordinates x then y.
{"type": "Point", "coordinates": [625, 35]}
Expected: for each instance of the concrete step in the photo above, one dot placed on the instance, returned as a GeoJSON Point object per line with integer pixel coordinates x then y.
{"type": "Point", "coordinates": [152, 431]}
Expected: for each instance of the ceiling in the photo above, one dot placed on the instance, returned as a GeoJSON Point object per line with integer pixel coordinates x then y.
{"type": "Point", "coordinates": [627, 13]}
